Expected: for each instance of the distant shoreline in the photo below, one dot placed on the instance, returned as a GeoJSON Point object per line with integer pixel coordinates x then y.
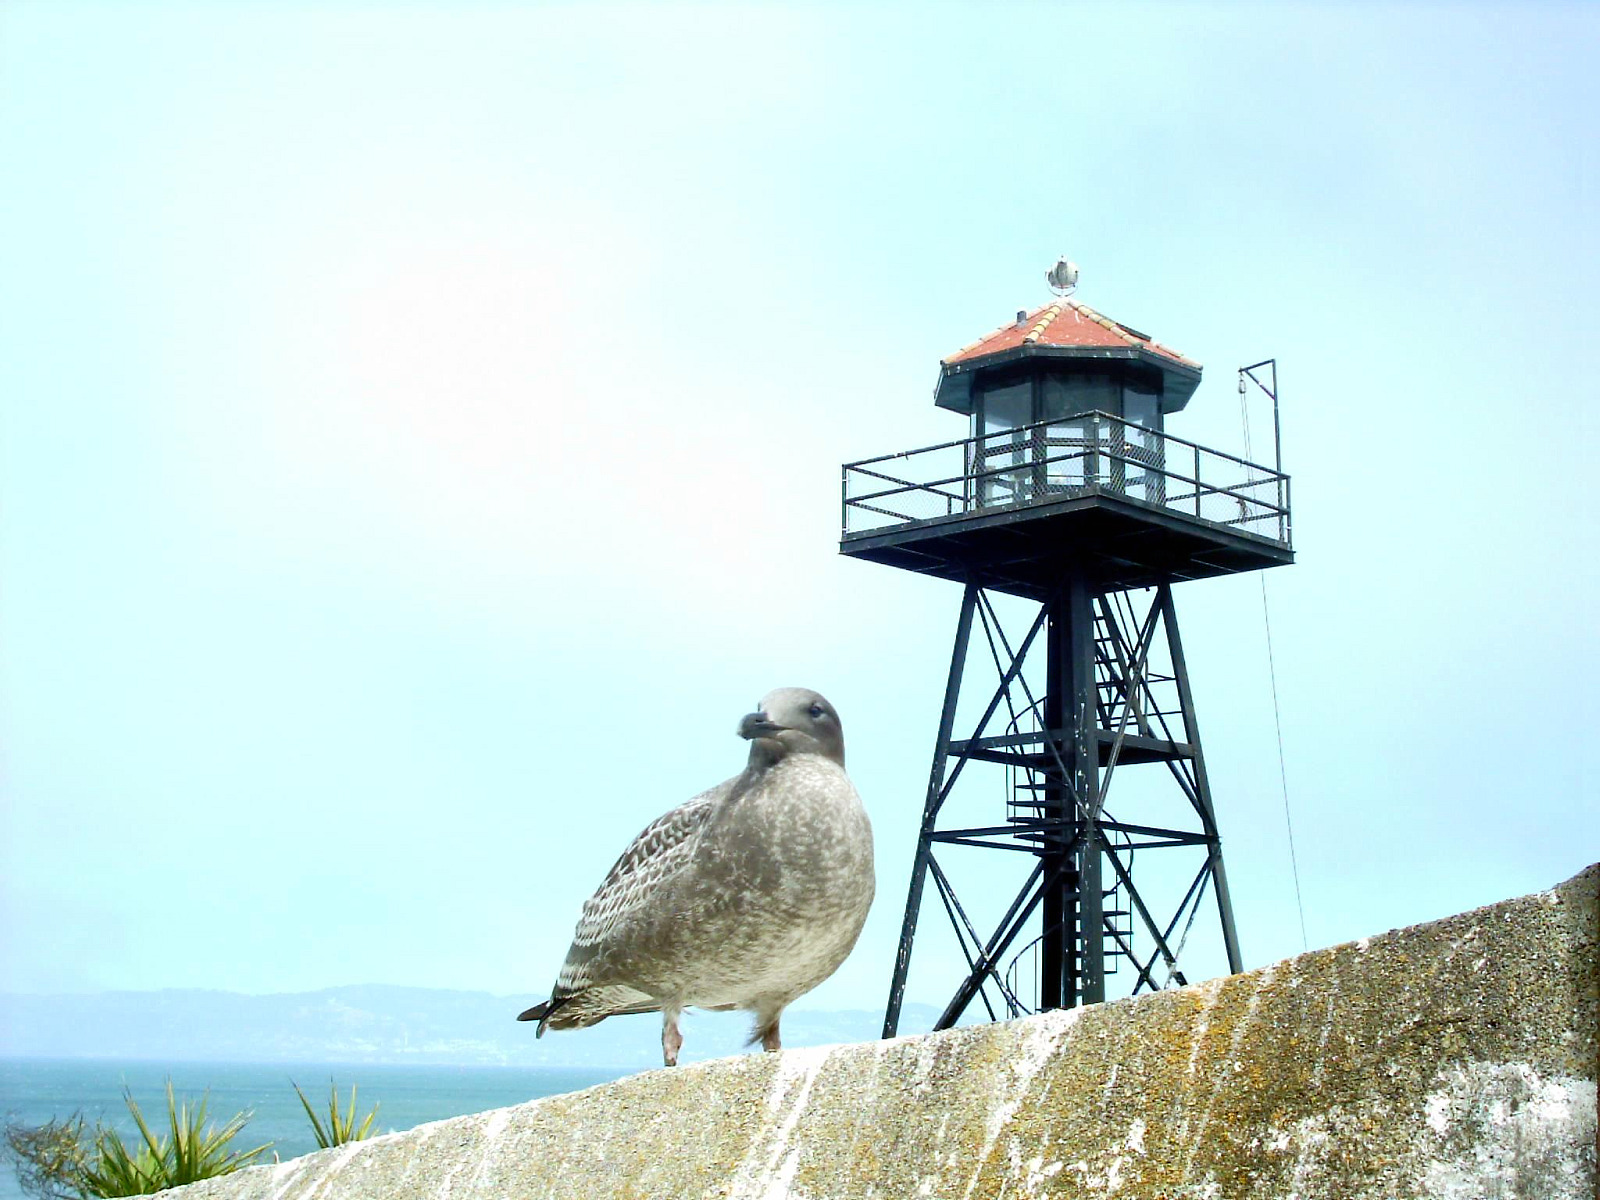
{"type": "Point", "coordinates": [377, 1025]}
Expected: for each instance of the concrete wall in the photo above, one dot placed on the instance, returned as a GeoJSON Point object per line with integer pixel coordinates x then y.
{"type": "Point", "coordinates": [1454, 1059]}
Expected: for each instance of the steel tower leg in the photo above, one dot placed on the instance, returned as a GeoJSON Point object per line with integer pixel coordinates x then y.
{"type": "Point", "coordinates": [930, 812]}
{"type": "Point", "coordinates": [1208, 816]}
{"type": "Point", "coordinates": [1085, 714]}
{"type": "Point", "coordinates": [1071, 952]}
{"type": "Point", "coordinates": [1058, 913]}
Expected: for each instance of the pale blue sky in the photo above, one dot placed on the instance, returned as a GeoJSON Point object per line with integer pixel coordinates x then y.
{"type": "Point", "coordinates": [422, 427]}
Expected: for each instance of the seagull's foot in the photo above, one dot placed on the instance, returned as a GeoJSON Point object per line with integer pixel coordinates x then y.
{"type": "Point", "coordinates": [671, 1038]}
{"type": "Point", "coordinates": [769, 1037]}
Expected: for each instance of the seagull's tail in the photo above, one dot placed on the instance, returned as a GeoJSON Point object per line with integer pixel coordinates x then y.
{"type": "Point", "coordinates": [543, 1012]}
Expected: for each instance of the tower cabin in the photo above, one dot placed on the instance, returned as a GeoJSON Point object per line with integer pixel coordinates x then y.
{"type": "Point", "coordinates": [1068, 491]}
{"type": "Point", "coordinates": [1067, 466]}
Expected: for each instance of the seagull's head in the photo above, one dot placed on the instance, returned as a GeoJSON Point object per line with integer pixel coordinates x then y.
{"type": "Point", "coordinates": [794, 721]}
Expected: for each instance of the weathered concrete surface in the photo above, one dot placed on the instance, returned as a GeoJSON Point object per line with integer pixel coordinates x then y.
{"type": "Point", "coordinates": [1454, 1059]}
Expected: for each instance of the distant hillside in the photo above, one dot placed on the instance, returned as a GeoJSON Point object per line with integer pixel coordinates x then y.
{"type": "Point", "coordinates": [378, 1024]}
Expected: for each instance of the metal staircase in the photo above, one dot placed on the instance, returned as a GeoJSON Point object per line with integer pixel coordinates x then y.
{"type": "Point", "coordinates": [1025, 787]}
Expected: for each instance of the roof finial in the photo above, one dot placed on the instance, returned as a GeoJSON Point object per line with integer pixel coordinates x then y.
{"type": "Point", "coordinates": [1063, 277]}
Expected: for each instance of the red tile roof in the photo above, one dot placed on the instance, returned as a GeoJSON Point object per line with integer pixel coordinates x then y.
{"type": "Point", "coordinates": [1067, 322]}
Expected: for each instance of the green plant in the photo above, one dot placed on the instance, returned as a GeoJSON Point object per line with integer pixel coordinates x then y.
{"type": "Point", "coordinates": [191, 1150]}
{"type": "Point", "coordinates": [341, 1126]}
{"type": "Point", "coordinates": [55, 1161]}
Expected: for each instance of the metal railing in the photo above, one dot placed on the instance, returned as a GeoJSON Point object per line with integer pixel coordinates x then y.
{"type": "Point", "coordinates": [1094, 453]}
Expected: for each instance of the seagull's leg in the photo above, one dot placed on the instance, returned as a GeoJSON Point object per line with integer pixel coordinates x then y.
{"type": "Point", "coordinates": [671, 1039]}
{"type": "Point", "coordinates": [767, 1028]}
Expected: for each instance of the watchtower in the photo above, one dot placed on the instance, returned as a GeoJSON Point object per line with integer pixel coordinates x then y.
{"type": "Point", "coordinates": [1070, 498]}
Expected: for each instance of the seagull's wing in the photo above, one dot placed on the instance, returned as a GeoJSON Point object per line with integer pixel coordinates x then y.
{"type": "Point", "coordinates": [631, 886]}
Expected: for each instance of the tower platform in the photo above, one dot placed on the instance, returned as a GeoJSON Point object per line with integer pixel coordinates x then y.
{"type": "Point", "coordinates": [1015, 511]}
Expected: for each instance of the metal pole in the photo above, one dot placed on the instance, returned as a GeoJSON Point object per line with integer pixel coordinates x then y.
{"type": "Point", "coordinates": [1071, 949]}
{"type": "Point", "coordinates": [1277, 439]}
{"type": "Point", "coordinates": [930, 812]}
{"type": "Point", "coordinates": [1208, 817]}
{"type": "Point", "coordinates": [1277, 432]}
{"type": "Point", "coordinates": [1057, 916]}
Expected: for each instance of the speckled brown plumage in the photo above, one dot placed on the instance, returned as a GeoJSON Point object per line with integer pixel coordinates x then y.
{"type": "Point", "coordinates": [746, 897]}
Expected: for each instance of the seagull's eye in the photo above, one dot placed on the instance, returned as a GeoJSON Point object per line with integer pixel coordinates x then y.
{"type": "Point", "coordinates": [816, 712]}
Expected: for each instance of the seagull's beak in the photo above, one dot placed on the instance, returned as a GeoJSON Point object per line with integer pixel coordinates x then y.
{"type": "Point", "coordinates": [757, 725]}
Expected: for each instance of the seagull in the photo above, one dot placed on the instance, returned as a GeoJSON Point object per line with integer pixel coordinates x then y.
{"type": "Point", "coordinates": [746, 897]}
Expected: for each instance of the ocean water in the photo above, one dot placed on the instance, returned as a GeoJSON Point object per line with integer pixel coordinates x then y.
{"type": "Point", "coordinates": [35, 1090]}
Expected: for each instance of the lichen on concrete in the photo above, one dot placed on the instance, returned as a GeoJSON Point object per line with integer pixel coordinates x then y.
{"type": "Point", "coordinates": [1453, 1059]}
